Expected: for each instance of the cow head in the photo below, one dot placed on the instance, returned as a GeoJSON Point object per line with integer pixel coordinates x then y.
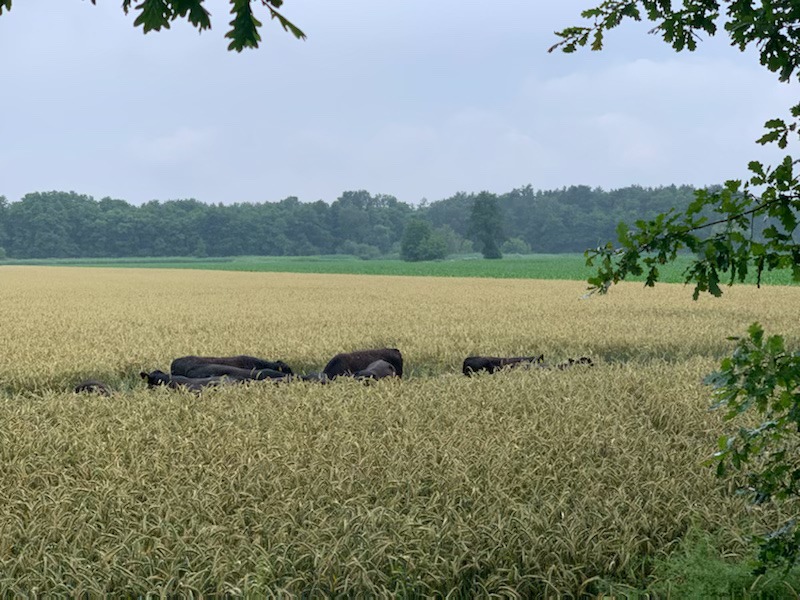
{"type": "Point", "coordinates": [155, 378]}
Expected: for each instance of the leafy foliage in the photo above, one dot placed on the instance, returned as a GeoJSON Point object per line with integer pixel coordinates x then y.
{"type": "Point", "coordinates": [761, 376]}
{"type": "Point", "coordinates": [770, 193]}
{"type": "Point", "coordinates": [421, 242]}
{"type": "Point", "coordinates": [698, 569]}
{"type": "Point", "coordinates": [154, 15]}
{"type": "Point", "coordinates": [731, 247]}
{"type": "Point", "coordinates": [770, 25]}
{"type": "Point", "coordinates": [516, 246]}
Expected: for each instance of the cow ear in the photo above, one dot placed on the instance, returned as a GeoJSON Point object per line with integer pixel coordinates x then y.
{"type": "Point", "coordinates": [143, 375]}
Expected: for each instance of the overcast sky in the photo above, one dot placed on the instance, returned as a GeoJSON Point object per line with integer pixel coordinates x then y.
{"type": "Point", "coordinates": [418, 99]}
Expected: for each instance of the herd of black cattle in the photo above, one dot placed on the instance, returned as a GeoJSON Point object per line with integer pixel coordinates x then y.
{"type": "Point", "coordinates": [197, 372]}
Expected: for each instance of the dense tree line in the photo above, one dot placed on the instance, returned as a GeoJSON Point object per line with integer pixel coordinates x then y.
{"type": "Point", "coordinates": [567, 220]}
{"type": "Point", "coordinates": [67, 225]}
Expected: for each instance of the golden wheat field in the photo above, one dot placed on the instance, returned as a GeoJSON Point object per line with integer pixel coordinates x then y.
{"type": "Point", "coordinates": [527, 483]}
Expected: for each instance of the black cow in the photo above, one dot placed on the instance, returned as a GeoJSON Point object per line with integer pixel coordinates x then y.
{"type": "Point", "coordinates": [583, 360]}
{"type": "Point", "coordinates": [315, 377]}
{"type": "Point", "coordinates": [194, 384]}
{"type": "Point", "coordinates": [189, 366]}
{"type": "Point", "coordinates": [376, 370]}
{"type": "Point", "coordinates": [215, 370]}
{"type": "Point", "coordinates": [92, 386]}
{"type": "Point", "coordinates": [349, 363]}
{"type": "Point", "coordinates": [474, 364]}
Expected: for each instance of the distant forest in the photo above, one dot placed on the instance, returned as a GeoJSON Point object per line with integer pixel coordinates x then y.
{"type": "Point", "coordinates": [70, 225]}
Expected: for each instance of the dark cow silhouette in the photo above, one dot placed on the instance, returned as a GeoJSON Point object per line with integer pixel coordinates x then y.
{"type": "Point", "coordinates": [215, 370]}
{"type": "Point", "coordinates": [316, 377]}
{"type": "Point", "coordinates": [194, 384]}
{"type": "Point", "coordinates": [376, 370]}
{"type": "Point", "coordinates": [189, 366]}
{"type": "Point", "coordinates": [583, 360]}
{"type": "Point", "coordinates": [349, 363]}
{"type": "Point", "coordinates": [92, 386]}
{"type": "Point", "coordinates": [474, 364]}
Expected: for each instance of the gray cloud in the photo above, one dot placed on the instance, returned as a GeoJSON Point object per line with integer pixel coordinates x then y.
{"type": "Point", "coordinates": [416, 99]}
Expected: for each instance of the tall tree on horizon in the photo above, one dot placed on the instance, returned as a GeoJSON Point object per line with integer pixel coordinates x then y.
{"type": "Point", "coordinates": [486, 224]}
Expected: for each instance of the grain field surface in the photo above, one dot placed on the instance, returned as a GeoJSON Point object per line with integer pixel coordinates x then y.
{"type": "Point", "coordinates": [526, 483]}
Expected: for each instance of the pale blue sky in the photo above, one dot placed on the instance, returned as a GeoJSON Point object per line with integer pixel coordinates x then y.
{"type": "Point", "coordinates": [414, 99]}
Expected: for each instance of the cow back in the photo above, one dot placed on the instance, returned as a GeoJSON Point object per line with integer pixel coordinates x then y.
{"type": "Point", "coordinates": [191, 366]}
{"type": "Point", "coordinates": [474, 364]}
{"type": "Point", "coordinates": [349, 363]}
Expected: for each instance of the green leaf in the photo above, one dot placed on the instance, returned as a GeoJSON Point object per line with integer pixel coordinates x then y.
{"type": "Point", "coordinates": [285, 23]}
{"type": "Point", "coordinates": [775, 344]}
{"type": "Point", "coordinates": [775, 123]}
{"type": "Point", "coordinates": [756, 168]}
{"type": "Point", "coordinates": [622, 232]}
{"type": "Point", "coordinates": [756, 333]}
{"type": "Point", "coordinates": [153, 16]}
{"type": "Point", "coordinates": [197, 14]}
{"type": "Point", "coordinates": [244, 27]}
